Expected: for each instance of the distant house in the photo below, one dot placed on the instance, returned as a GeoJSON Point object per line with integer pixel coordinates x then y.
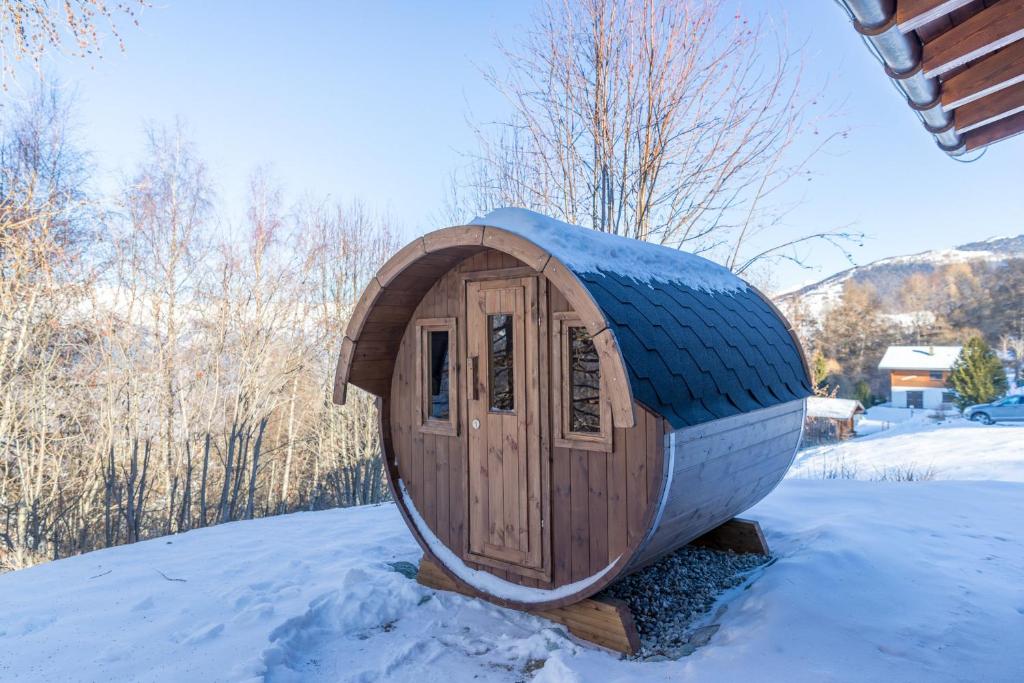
{"type": "Point", "coordinates": [831, 419]}
{"type": "Point", "coordinates": [918, 374]}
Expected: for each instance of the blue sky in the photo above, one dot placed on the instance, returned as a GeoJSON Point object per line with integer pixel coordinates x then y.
{"type": "Point", "coordinates": [371, 100]}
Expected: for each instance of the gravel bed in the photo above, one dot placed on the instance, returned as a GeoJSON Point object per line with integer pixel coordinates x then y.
{"type": "Point", "coordinates": [668, 596]}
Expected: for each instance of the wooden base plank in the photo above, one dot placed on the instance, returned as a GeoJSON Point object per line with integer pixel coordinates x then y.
{"type": "Point", "coordinates": [605, 622]}
{"type": "Point", "coordinates": [737, 535]}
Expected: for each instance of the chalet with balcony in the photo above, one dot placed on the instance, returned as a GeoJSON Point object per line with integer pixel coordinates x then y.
{"type": "Point", "coordinates": [918, 375]}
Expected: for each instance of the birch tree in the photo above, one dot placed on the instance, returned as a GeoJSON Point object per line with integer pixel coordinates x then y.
{"type": "Point", "coordinates": [680, 122]}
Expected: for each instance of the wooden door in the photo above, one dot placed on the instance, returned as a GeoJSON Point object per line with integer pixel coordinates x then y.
{"type": "Point", "coordinates": [505, 477]}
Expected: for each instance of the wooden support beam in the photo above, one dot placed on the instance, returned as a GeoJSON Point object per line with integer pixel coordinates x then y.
{"type": "Point", "coordinates": [913, 14]}
{"type": "Point", "coordinates": [991, 74]}
{"type": "Point", "coordinates": [737, 535]}
{"type": "Point", "coordinates": [990, 29]}
{"type": "Point", "coordinates": [1006, 102]}
{"type": "Point", "coordinates": [994, 132]}
{"type": "Point", "coordinates": [605, 622]}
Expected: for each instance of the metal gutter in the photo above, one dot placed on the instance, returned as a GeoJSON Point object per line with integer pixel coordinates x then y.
{"type": "Point", "coordinates": [900, 53]}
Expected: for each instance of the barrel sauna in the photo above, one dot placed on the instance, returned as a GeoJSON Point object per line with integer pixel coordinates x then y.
{"type": "Point", "coordinates": [559, 406]}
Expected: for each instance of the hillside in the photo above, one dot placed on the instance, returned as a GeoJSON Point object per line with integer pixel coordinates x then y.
{"type": "Point", "coordinates": [873, 581]}
{"type": "Point", "coordinates": [887, 275]}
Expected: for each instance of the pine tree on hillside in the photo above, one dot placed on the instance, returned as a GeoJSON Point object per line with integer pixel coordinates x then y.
{"type": "Point", "coordinates": [977, 375]}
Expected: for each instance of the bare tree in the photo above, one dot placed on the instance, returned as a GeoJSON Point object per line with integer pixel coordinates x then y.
{"type": "Point", "coordinates": [29, 28]}
{"type": "Point", "coordinates": [670, 121]}
{"type": "Point", "coordinates": [43, 277]}
{"type": "Point", "coordinates": [161, 369]}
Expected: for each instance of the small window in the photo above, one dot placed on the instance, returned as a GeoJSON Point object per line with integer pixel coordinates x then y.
{"type": "Point", "coordinates": [948, 397]}
{"type": "Point", "coordinates": [584, 383]}
{"type": "Point", "coordinates": [580, 397]}
{"type": "Point", "coordinates": [439, 406]}
{"type": "Point", "coordinates": [935, 375]}
{"type": "Point", "coordinates": [436, 384]}
{"type": "Point", "coordinates": [502, 379]}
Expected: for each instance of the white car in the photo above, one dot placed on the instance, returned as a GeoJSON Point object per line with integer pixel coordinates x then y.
{"type": "Point", "coordinates": [1009, 409]}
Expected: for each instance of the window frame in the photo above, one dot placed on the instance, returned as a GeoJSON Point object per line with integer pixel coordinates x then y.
{"type": "Point", "coordinates": [425, 423]}
{"type": "Point", "coordinates": [561, 397]}
{"type": "Point", "coordinates": [932, 375]}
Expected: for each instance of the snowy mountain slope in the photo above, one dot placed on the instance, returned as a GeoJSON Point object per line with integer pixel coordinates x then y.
{"type": "Point", "coordinates": [888, 274]}
{"type": "Point", "coordinates": [874, 581]}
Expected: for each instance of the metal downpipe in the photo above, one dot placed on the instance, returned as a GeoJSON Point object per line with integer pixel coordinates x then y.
{"type": "Point", "coordinates": [901, 54]}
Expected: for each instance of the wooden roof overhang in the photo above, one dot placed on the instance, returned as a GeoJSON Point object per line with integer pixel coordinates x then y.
{"type": "Point", "coordinates": [370, 346]}
{"type": "Point", "coordinates": [970, 52]}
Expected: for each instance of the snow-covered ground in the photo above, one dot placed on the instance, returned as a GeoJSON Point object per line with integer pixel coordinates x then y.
{"type": "Point", "coordinates": [875, 581]}
{"type": "Point", "coordinates": [899, 439]}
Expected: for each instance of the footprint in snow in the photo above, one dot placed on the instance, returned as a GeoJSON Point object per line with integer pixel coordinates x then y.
{"type": "Point", "coordinates": [144, 605]}
{"type": "Point", "coordinates": [206, 633]}
{"type": "Point", "coordinates": [33, 624]}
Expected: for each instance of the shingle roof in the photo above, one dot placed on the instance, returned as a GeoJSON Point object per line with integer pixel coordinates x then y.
{"type": "Point", "coordinates": [699, 343]}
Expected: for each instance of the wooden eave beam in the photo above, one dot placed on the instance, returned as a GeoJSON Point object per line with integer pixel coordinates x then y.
{"type": "Point", "coordinates": [987, 31]}
{"type": "Point", "coordinates": [994, 132]}
{"type": "Point", "coordinates": [913, 14]}
{"type": "Point", "coordinates": [987, 76]}
{"type": "Point", "coordinates": [1000, 105]}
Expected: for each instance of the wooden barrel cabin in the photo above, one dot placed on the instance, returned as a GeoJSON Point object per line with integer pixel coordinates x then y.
{"type": "Point", "coordinates": [560, 407]}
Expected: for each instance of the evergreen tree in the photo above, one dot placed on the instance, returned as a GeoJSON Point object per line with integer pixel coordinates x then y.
{"type": "Point", "coordinates": [819, 370]}
{"type": "Point", "coordinates": [862, 392]}
{"type": "Point", "coordinates": [977, 375]}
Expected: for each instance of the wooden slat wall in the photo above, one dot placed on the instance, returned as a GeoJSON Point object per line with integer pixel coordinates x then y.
{"type": "Point", "coordinates": [599, 501]}
{"type": "Point", "coordinates": [721, 468]}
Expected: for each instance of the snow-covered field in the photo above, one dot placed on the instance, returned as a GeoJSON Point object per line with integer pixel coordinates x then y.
{"type": "Point", "coordinates": [875, 581]}
{"type": "Point", "coordinates": [896, 440]}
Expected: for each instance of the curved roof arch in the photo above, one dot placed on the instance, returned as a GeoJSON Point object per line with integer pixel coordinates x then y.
{"type": "Point", "coordinates": [676, 332]}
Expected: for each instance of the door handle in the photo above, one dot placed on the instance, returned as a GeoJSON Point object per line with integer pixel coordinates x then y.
{"type": "Point", "coordinates": [474, 376]}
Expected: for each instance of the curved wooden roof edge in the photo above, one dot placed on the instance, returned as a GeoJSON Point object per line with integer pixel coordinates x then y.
{"type": "Point", "coordinates": [370, 345]}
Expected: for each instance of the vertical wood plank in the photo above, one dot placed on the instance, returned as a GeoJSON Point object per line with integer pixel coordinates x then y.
{"type": "Point", "coordinates": [618, 496]}
{"type": "Point", "coordinates": [478, 458]}
{"type": "Point", "coordinates": [541, 424]}
{"type": "Point", "coordinates": [429, 497]}
{"type": "Point", "coordinates": [598, 506]}
{"type": "Point", "coordinates": [580, 511]}
{"type": "Point", "coordinates": [561, 516]}
{"type": "Point", "coordinates": [636, 478]}
{"type": "Point", "coordinates": [655, 453]}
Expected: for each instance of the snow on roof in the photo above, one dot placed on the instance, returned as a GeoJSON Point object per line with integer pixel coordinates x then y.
{"type": "Point", "coordinates": [591, 251]}
{"type": "Point", "coordinates": [919, 357]}
{"type": "Point", "coordinates": [836, 408]}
